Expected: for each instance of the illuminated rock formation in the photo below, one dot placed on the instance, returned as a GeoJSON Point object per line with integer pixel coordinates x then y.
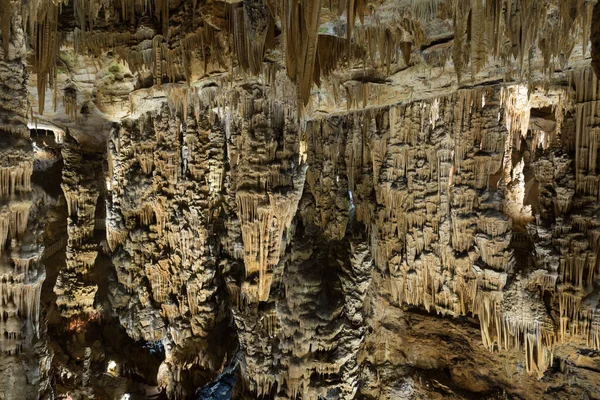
{"type": "Point", "coordinates": [21, 273]}
{"type": "Point", "coordinates": [337, 199]}
{"type": "Point", "coordinates": [75, 292]}
{"type": "Point", "coordinates": [165, 175]}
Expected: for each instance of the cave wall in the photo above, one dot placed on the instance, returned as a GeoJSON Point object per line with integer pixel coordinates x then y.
{"type": "Point", "coordinates": [459, 205]}
{"type": "Point", "coordinates": [295, 199]}
{"type": "Point", "coordinates": [24, 357]}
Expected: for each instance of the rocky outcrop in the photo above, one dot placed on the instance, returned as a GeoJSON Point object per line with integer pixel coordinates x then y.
{"type": "Point", "coordinates": [444, 188]}
{"type": "Point", "coordinates": [165, 175]}
{"type": "Point", "coordinates": [74, 287]}
{"type": "Point", "coordinates": [21, 272]}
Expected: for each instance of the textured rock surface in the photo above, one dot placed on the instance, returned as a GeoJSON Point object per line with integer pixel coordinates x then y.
{"type": "Point", "coordinates": [23, 359]}
{"type": "Point", "coordinates": [300, 199]}
{"type": "Point", "coordinates": [595, 38]}
{"type": "Point", "coordinates": [75, 293]}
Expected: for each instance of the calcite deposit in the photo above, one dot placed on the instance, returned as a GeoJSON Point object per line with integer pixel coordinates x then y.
{"type": "Point", "coordinates": [23, 370]}
{"type": "Point", "coordinates": [75, 293]}
{"type": "Point", "coordinates": [299, 199]}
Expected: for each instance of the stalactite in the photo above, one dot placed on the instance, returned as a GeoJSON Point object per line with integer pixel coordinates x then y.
{"type": "Point", "coordinates": [70, 103]}
{"type": "Point", "coordinates": [16, 178]}
{"type": "Point", "coordinates": [300, 25]}
{"type": "Point", "coordinates": [587, 88]}
{"type": "Point", "coordinates": [46, 44]}
{"type": "Point", "coordinates": [460, 20]}
{"type": "Point", "coordinates": [5, 24]}
{"type": "Point", "coordinates": [425, 10]}
{"type": "Point", "coordinates": [257, 23]}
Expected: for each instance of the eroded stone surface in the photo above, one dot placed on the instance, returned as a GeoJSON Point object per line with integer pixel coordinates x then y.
{"type": "Point", "coordinates": [340, 200]}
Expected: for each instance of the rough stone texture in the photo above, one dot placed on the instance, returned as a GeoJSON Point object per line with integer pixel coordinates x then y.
{"type": "Point", "coordinates": [24, 358]}
{"type": "Point", "coordinates": [164, 176]}
{"type": "Point", "coordinates": [300, 199]}
{"type": "Point", "coordinates": [595, 38]}
{"type": "Point", "coordinates": [75, 293]}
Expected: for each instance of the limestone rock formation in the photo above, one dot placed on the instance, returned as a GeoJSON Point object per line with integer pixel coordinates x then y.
{"type": "Point", "coordinates": [299, 199]}
{"type": "Point", "coordinates": [75, 293]}
{"type": "Point", "coordinates": [21, 272]}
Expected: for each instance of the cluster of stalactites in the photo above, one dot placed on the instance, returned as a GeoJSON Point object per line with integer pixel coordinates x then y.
{"type": "Point", "coordinates": [41, 19]}
{"type": "Point", "coordinates": [13, 221]}
{"type": "Point", "coordinates": [577, 237]}
{"type": "Point", "coordinates": [268, 186]}
{"type": "Point", "coordinates": [505, 29]}
{"type": "Point", "coordinates": [154, 53]}
{"type": "Point", "coordinates": [74, 289]}
{"type": "Point", "coordinates": [15, 178]}
{"type": "Point", "coordinates": [20, 291]}
{"type": "Point", "coordinates": [517, 319]}
{"type": "Point", "coordinates": [577, 270]}
{"type": "Point", "coordinates": [263, 226]}
{"type": "Point", "coordinates": [511, 30]}
{"type": "Point", "coordinates": [19, 299]}
{"type": "Point", "coordinates": [441, 232]}
{"type": "Point", "coordinates": [165, 175]}
{"type": "Point", "coordinates": [251, 28]}
{"type": "Point", "coordinates": [20, 277]}
{"type": "Point", "coordinates": [587, 93]}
